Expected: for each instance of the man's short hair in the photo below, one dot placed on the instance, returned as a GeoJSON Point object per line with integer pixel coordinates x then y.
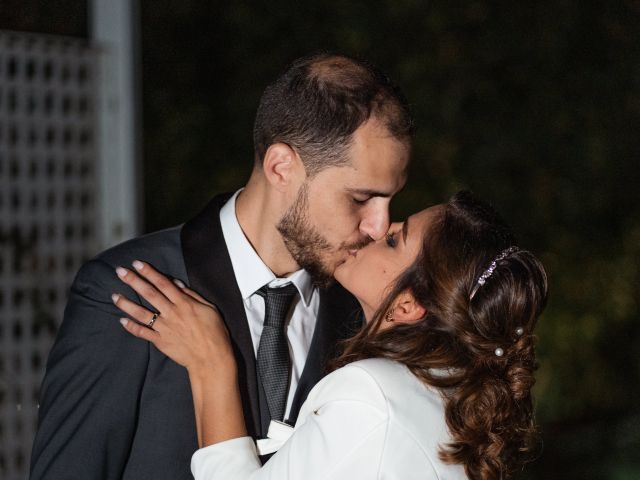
{"type": "Point", "coordinates": [317, 104]}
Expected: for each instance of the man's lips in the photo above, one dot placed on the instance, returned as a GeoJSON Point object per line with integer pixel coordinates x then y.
{"type": "Point", "coordinates": [351, 253]}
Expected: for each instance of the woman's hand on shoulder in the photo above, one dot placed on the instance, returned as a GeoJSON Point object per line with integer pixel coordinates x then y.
{"type": "Point", "coordinates": [185, 326]}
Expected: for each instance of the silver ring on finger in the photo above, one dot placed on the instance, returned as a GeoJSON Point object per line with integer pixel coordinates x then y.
{"type": "Point", "coordinates": [153, 320]}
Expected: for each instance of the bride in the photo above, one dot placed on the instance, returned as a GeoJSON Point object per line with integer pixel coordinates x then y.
{"type": "Point", "coordinates": [437, 384]}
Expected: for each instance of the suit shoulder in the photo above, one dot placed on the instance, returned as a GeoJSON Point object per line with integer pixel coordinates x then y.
{"type": "Point", "coordinates": [153, 245]}
{"type": "Point", "coordinates": [161, 249]}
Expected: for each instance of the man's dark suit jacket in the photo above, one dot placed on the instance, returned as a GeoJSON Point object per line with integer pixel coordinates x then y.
{"type": "Point", "coordinates": [113, 406]}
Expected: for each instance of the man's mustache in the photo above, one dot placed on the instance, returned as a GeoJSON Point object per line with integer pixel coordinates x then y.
{"type": "Point", "coordinates": [363, 242]}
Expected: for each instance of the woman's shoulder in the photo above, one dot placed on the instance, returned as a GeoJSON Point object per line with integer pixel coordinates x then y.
{"type": "Point", "coordinates": [397, 382]}
{"type": "Point", "coordinates": [392, 387]}
{"type": "Point", "coordinates": [356, 381]}
{"type": "Point", "coordinates": [374, 381]}
{"type": "Point", "coordinates": [415, 410]}
{"type": "Point", "coordinates": [388, 392]}
{"type": "Point", "coordinates": [380, 368]}
{"type": "Point", "coordinates": [346, 387]}
{"type": "Point", "coordinates": [388, 374]}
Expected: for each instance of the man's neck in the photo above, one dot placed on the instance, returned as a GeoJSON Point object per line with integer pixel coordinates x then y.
{"type": "Point", "coordinates": [258, 214]}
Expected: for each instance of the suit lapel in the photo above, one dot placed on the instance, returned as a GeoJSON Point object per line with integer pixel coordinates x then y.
{"type": "Point", "coordinates": [339, 317]}
{"type": "Point", "coordinates": [211, 274]}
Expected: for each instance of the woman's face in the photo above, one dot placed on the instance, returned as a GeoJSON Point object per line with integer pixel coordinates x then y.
{"type": "Point", "coordinates": [368, 273]}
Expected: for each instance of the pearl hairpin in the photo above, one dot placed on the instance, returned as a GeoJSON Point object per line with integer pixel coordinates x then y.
{"type": "Point", "coordinates": [499, 352]}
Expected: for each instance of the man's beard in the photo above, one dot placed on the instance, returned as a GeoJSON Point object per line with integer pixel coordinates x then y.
{"type": "Point", "coordinates": [305, 244]}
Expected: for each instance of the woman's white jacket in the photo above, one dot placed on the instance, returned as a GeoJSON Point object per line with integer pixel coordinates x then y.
{"type": "Point", "coordinates": [372, 419]}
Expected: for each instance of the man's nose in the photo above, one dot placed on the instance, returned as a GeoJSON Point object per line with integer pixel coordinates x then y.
{"type": "Point", "coordinates": [375, 223]}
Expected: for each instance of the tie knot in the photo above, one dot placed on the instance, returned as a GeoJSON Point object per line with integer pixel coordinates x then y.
{"type": "Point", "coordinates": [288, 290]}
{"type": "Point", "coordinates": [276, 303]}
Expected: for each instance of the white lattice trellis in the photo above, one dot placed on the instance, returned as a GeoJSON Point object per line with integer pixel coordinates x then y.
{"type": "Point", "coordinates": [48, 214]}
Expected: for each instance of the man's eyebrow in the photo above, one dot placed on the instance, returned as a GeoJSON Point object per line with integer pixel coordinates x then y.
{"type": "Point", "coordinates": [369, 192]}
{"type": "Point", "coordinates": [405, 230]}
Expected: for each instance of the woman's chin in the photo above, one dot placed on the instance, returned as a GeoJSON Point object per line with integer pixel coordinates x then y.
{"type": "Point", "coordinates": [339, 271]}
{"type": "Point", "coordinates": [339, 276]}
{"type": "Point", "coordinates": [346, 275]}
{"type": "Point", "coordinates": [344, 281]}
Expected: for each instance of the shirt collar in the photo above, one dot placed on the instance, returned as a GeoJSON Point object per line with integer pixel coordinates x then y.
{"type": "Point", "coordinates": [250, 271]}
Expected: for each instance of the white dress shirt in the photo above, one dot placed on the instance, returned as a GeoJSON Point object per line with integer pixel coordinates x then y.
{"type": "Point", "coordinates": [252, 274]}
{"type": "Point", "coordinates": [372, 419]}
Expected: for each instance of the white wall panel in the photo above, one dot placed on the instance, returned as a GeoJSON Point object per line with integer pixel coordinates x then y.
{"type": "Point", "coordinates": [49, 214]}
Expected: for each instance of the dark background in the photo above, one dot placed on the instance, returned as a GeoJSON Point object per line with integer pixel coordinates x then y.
{"type": "Point", "coordinates": [535, 106]}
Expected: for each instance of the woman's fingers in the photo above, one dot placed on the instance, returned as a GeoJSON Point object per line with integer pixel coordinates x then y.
{"type": "Point", "coordinates": [189, 329]}
{"type": "Point", "coordinates": [135, 311]}
{"type": "Point", "coordinates": [160, 281]}
{"type": "Point", "coordinates": [150, 293]}
{"type": "Point", "coordinates": [139, 331]}
{"type": "Point", "coordinates": [198, 297]}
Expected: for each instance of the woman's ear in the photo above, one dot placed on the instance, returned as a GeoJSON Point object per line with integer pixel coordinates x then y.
{"type": "Point", "coordinates": [406, 309]}
{"type": "Point", "coordinates": [282, 166]}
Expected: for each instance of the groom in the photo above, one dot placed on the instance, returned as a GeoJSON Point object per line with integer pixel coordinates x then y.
{"type": "Point", "coordinates": [332, 141]}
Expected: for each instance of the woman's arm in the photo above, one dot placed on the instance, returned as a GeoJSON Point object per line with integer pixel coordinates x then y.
{"type": "Point", "coordinates": [217, 405]}
{"type": "Point", "coordinates": [190, 331]}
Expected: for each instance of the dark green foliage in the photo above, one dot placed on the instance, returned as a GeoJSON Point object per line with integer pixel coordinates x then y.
{"type": "Point", "coordinates": [533, 105]}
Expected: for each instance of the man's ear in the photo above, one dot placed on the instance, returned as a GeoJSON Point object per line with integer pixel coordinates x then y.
{"type": "Point", "coordinates": [282, 166]}
{"type": "Point", "coordinates": [406, 309]}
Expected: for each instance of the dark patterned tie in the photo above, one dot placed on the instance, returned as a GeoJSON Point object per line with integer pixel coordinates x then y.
{"type": "Point", "coordinates": [273, 361]}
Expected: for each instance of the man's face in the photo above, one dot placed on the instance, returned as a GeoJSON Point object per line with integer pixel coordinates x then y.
{"type": "Point", "coordinates": [342, 209]}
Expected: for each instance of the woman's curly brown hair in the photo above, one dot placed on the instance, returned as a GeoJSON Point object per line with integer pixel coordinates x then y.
{"type": "Point", "coordinates": [489, 407]}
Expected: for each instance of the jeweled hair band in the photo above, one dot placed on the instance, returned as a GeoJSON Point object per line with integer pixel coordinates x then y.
{"type": "Point", "coordinates": [489, 271]}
